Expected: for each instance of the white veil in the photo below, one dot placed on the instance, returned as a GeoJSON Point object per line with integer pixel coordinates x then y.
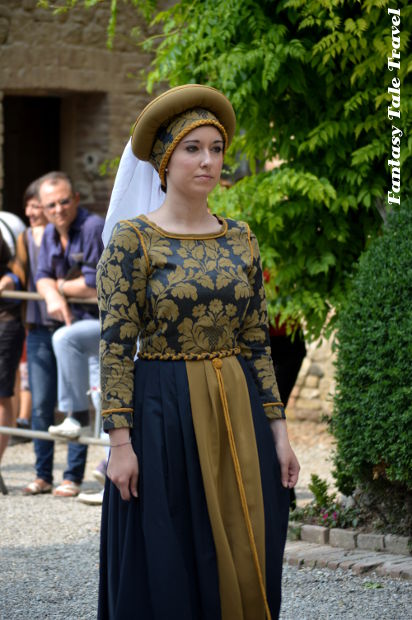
{"type": "Point", "coordinates": [136, 191]}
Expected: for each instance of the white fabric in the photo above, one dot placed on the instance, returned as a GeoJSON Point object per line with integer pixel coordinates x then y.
{"type": "Point", "coordinates": [136, 191]}
{"type": "Point", "coordinates": [11, 226]}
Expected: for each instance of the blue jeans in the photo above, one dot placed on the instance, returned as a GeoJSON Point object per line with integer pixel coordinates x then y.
{"type": "Point", "coordinates": [43, 386]}
{"type": "Point", "coordinates": [76, 348]}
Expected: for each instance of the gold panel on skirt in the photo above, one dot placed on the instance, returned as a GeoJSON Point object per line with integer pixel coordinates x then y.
{"type": "Point", "coordinates": [229, 462]}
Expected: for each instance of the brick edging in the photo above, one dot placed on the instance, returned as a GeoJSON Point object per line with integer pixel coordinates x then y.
{"type": "Point", "coordinates": [310, 555]}
{"type": "Point", "coordinates": [350, 539]}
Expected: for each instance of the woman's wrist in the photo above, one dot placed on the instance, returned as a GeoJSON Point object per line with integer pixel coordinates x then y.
{"type": "Point", "coordinates": [120, 445]}
{"type": "Point", "coordinates": [279, 431]}
{"type": "Point", "coordinates": [119, 437]}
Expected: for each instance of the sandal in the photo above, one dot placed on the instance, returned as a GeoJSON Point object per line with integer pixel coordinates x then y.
{"type": "Point", "coordinates": [37, 487]}
{"type": "Point", "coordinates": [67, 488]}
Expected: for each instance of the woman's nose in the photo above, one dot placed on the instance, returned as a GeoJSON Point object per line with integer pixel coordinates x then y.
{"type": "Point", "coordinates": [206, 157]}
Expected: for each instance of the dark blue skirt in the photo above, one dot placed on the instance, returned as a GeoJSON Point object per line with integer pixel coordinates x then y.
{"type": "Point", "coordinates": [157, 555]}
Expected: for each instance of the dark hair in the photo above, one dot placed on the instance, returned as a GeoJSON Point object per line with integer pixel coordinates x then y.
{"type": "Point", "coordinates": [31, 191]}
{"type": "Point", "coordinates": [55, 177]}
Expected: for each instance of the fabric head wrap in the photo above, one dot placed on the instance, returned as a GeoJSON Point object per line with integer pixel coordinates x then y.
{"type": "Point", "coordinates": [170, 134]}
{"type": "Point", "coordinates": [157, 131]}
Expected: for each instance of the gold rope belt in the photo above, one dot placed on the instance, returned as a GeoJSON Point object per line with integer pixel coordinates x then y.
{"type": "Point", "coordinates": [217, 366]}
{"type": "Point", "coordinates": [173, 357]}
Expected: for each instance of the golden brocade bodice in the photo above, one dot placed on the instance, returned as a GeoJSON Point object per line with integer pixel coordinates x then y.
{"type": "Point", "coordinates": [183, 297]}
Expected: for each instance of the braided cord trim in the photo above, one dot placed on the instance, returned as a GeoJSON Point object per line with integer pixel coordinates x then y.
{"type": "Point", "coordinates": [189, 356]}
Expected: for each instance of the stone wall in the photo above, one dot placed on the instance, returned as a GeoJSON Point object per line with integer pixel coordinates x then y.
{"type": "Point", "coordinates": [312, 396]}
{"type": "Point", "coordinates": [65, 56]}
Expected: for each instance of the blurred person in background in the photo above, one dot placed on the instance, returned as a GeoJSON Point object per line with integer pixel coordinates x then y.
{"type": "Point", "coordinates": [69, 252]}
{"type": "Point", "coordinates": [40, 356]}
{"type": "Point", "coordinates": [27, 249]}
{"type": "Point", "coordinates": [11, 338]}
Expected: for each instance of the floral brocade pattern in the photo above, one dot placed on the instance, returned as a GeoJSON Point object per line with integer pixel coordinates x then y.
{"type": "Point", "coordinates": [182, 296]}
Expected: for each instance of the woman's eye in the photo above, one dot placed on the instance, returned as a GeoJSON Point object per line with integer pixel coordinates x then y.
{"type": "Point", "coordinates": [217, 149]}
{"type": "Point", "coordinates": [191, 148]}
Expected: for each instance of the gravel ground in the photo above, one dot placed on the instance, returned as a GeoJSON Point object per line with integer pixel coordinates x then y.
{"type": "Point", "coordinates": [310, 594]}
{"type": "Point", "coordinates": [48, 546]}
{"type": "Point", "coordinates": [49, 551]}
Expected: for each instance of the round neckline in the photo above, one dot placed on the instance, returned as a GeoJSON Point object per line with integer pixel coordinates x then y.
{"type": "Point", "coordinates": [166, 233]}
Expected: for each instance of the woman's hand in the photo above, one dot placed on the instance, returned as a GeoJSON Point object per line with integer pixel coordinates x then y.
{"type": "Point", "coordinates": [123, 467]}
{"type": "Point", "coordinates": [289, 465]}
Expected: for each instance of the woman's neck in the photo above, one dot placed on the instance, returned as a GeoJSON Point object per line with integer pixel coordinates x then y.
{"type": "Point", "coordinates": [184, 216]}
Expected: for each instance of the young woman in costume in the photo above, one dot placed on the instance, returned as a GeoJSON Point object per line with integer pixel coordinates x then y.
{"type": "Point", "coordinates": [196, 503]}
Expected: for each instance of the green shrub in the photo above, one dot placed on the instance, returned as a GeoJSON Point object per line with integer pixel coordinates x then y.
{"type": "Point", "coordinates": [325, 509]}
{"type": "Point", "coordinates": [372, 418]}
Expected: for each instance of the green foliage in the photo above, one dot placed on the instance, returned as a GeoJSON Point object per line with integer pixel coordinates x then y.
{"type": "Point", "coordinates": [372, 418]}
{"type": "Point", "coordinates": [308, 81]}
{"type": "Point", "coordinates": [324, 509]}
{"type": "Point", "coordinates": [109, 167]}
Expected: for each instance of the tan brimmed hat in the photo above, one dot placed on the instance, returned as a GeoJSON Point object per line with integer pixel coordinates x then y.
{"type": "Point", "coordinates": [169, 117]}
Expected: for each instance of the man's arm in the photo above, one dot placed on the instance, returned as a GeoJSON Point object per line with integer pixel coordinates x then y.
{"type": "Point", "coordinates": [57, 306]}
{"type": "Point", "coordinates": [75, 288]}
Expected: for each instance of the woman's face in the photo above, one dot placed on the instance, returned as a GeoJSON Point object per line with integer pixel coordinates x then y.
{"type": "Point", "coordinates": [34, 213]}
{"type": "Point", "coordinates": [196, 163]}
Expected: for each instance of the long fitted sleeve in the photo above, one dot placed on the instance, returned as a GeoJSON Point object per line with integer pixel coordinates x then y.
{"type": "Point", "coordinates": [121, 283]}
{"type": "Point", "coordinates": [254, 340]}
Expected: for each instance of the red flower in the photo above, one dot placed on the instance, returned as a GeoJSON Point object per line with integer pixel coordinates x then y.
{"type": "Point", "coordinates": [266, 275]}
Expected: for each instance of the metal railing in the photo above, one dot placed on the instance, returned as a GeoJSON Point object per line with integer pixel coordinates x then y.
{"type": "Point", "coordinates": [25, 296]}
{"type": "Point", "coordinates": [83, 439]}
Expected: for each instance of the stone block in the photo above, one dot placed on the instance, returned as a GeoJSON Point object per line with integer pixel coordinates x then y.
{"type": "Point", "coordinates": [295, 552]}
{"type": "Point", "coordinates": [324, 385]}
{"type": "Point", "coordinates": [4, 30]}
{"type": "Point", "coordinates": [331, 558]}
{"type": "Point", "coordinates": [373, 542]}
{"type": "Point", "coordinates": [406, 572]}
{"type": "Point", "coordinates": [346, 539]}
{"type": "Point", "coordinates": [353, 557]}
{"type": "Point", "coordinates": [303, 370]}
{"type": "Point", "coordinates": [312, 381]}
{"type": "Point", "coordinates": [304, 403]}
{"type": "Point", "coordinates": [368, 564]}
{"type": "Point", "coordinates": [294, 530]}
{"type": "Point", "coordinates": [398, 544]}
{"type": "Point", "coordinates": [309, 393]}
{"type": "Point", "coordinates": [315, 534]}
{"type": "Point", "coordinates": [316, 370]}
{"type": "Point", "coordinates": [316, 556]}
{"type": "Point", "coordinates": [393, 566]}
{"type": "Point", "coordinates": [314, 415]}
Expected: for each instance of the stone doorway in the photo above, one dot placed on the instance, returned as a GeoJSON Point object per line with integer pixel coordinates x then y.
{"type": "Point", "coordinates": [31, 144]}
